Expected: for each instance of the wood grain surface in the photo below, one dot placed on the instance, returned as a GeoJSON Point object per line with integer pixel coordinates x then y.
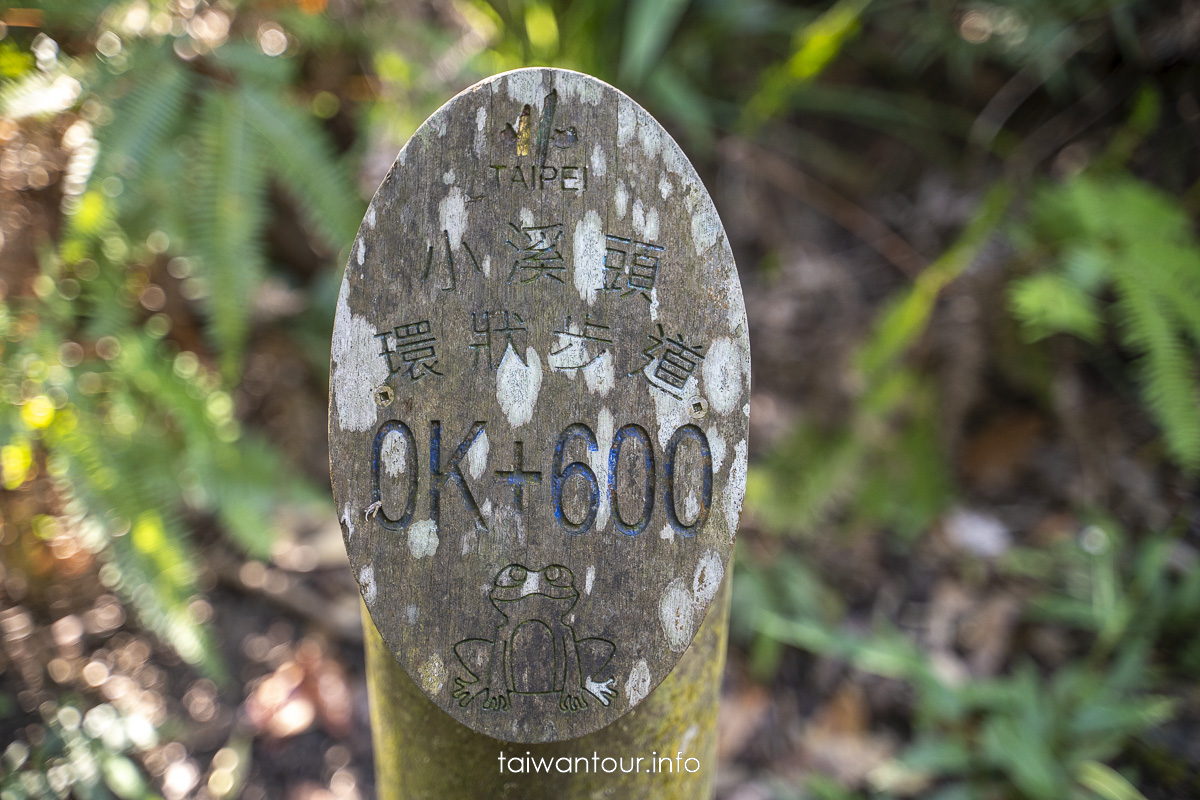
{"type": "Point", "coordinates": [539, 405]}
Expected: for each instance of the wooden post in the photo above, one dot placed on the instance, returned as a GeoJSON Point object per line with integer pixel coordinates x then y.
{"type": "Point", "coordinates": [539, 409]}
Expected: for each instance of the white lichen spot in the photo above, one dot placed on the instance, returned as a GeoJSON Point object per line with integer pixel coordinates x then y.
{"type": "Point", "coordinates": [423, 538]}
{"type": "Point", "coordinates": [706, 228]}
{"type": "Point", "coordinates": [589, 256]}
{"type": "Point", "coordinates": [518, 384]}
{"type": "Point", "coordinates": [671, 412]}
{"type": "Point", "coordinates": [433, 675]}
{"type": "Point", "coordinates": [448, 177]}
{"type": "Point", "coordinates": [600, 374]}
{"type": "Point", "coordinates": [735, 313]}
{"type": "Point", "coordinates": [626, 120]}
{"type": "Point", "coordinates": [527, 217]}
{"type": "Point", "coordinates": [452, 213]}
{"type": "Point", "coordinates": [477, 455]}
{"type": "Point", "coordinates": [735, 489]}
{"type": "Point", "coordinates": [723, 375]}
{"type": "Point", "coordinates": [651, 134]}
{"type": "Point", "coordinates": [525, 86]}
{"type": "Point", "coordinates": [645, 220]}
{"type": "Point", "coordinates": [716, 446]}
{"type": "Point", "coordinates": [599, 163]}
{"type": "Point", "coordinates": [371, 216]}
{"type": "Point", "coordinates": [675, 161]}
{"type": "Point", "coordinates": [621, 199]}
{"type": "Point", "coordinates": [487, 266]}
{"type": "Point", "coordinates": [366, 580]}
{"type": "Point", "coordinates": [393, 454]}
{"type": "Point", "coordinates": [348, 521]}
{"type": "Point", "coordinates": [580, 87]}
{"type": "Point", "coordinates": [438, 123]}
{"type": "Point", "coordinates": [481, 114]}
{"type": "Point", "coordinates": [654, 303]}
{"type": "Point", "coordinates": [357, 368]}
{"type": "Point", "coordinates": [667, 534]}
{"type": "Point", "coordinates": [411, 614]}
{"type": "Point", "coordinates": [675, 614]}
{"type": "Point", "coordinates": [599, 464]}
{"type": "Point", "coordinates": [664, 186]}
{"type": "Point", "coordinates": [691, 506]}
{"type": "Point", "coordinates": [361, 252]}
{"type": "Point", "coordinates": [707, 578]}
{"type": "Point", "coordinates": [486, 509]}
{"type": "Point", "coordinates": [746, 410]}
{"type": "Point", "coordinates": [638, 685]}
{"type": "Point", "coordinates": [588, 580]}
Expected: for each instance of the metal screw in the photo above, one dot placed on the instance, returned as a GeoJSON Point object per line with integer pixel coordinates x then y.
{"type": "Point", "coordinates": [384, 395]}
{"type": "Point", "coordinates": [698, 407]}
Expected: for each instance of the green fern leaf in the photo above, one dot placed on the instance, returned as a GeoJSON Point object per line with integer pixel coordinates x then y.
{"type": "Point", "coordinates": [146, 117]}
{"type": "Point", "coordinates": [1049, 303]}
{"type": "Point", "coordinates": [229, 218]}
{"type": "Point", "coordinates": [300, 155]}
{"type": "Point", "coordinates": [1167, 372]}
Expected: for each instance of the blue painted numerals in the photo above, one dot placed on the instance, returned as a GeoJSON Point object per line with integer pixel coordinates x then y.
{"type": "Point", "coordinates": [377, 455]}
{"type": "Point", "coordinates": [637, 433]}
{"type": "Point", "coordinates": [695, 434]}
{"type": "Point", "coordinates": [560, 476]}
{"type": "Point", "coordinates": [576, 441]}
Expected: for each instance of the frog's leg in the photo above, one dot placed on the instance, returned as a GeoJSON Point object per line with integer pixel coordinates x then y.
{"type": "Point", "coordinates": [570, 698]}
{"type": "Point", "coordinates": [497, 672]}
{"type": "Point", "coordinates": [594, 657]}
{"type": "Point", "coordinates": [473, 655]}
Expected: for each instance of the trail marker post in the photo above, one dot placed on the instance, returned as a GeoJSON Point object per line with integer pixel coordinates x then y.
{"type": "Point", "coordinates": [539, 410]}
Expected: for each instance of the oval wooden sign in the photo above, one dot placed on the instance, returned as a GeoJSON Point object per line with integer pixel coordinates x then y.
{"type": "Point", "coordinates": [539, 405]}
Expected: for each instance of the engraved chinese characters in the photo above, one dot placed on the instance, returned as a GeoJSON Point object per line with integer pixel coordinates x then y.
{"type": "Point", "coordinates": [539, 405]}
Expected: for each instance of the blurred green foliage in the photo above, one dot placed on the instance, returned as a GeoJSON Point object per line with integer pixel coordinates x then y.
{"type": "Point", "coordinates": [83, 754]}
{"type": "Point", "coordinates": [1120, 235]}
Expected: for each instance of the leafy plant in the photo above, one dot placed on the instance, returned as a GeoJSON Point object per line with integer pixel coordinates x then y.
{"type": "Point", "coordinates": [1113, 251]}
{"type": "Point", "coordinates": [136, 433]}
{"type": "Point", "coordinates": [81, 754]}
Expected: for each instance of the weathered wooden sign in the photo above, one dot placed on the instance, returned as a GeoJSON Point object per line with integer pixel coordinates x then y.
{"type": "Point", "coordinates": [539, 405]}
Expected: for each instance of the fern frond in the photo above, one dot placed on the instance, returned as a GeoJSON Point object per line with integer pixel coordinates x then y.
{"type": "Point", "coordinates": [245, 481]}
{"type": "Point", "coordinates": [145, 118]}
{"type": "Point", "coordinates": [1167, 371]}
{"type": "Point", "coordinates": [301, 157]}
{"type": "Point", "coordinates": [1049, 303]}
{"type": "Point", "coordinates": [128, 494]}
{"type": "Point", "coordinates": [1127, 233]}
{"type": "Point", "coordinates": [229, 218]}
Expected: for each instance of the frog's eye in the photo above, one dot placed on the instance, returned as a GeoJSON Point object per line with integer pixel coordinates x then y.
{"type": "Point", "coordinates": [559, 576]}
{"type": "Point", "coordinates": [512, 576]}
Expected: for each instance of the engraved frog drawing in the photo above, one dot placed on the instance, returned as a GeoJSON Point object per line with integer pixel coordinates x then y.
{"type": "Point", "coordinates": [535, 651]}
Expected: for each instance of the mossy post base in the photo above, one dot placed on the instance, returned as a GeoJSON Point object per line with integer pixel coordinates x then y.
{"type": "Point", "coordinates": [421, 752]}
